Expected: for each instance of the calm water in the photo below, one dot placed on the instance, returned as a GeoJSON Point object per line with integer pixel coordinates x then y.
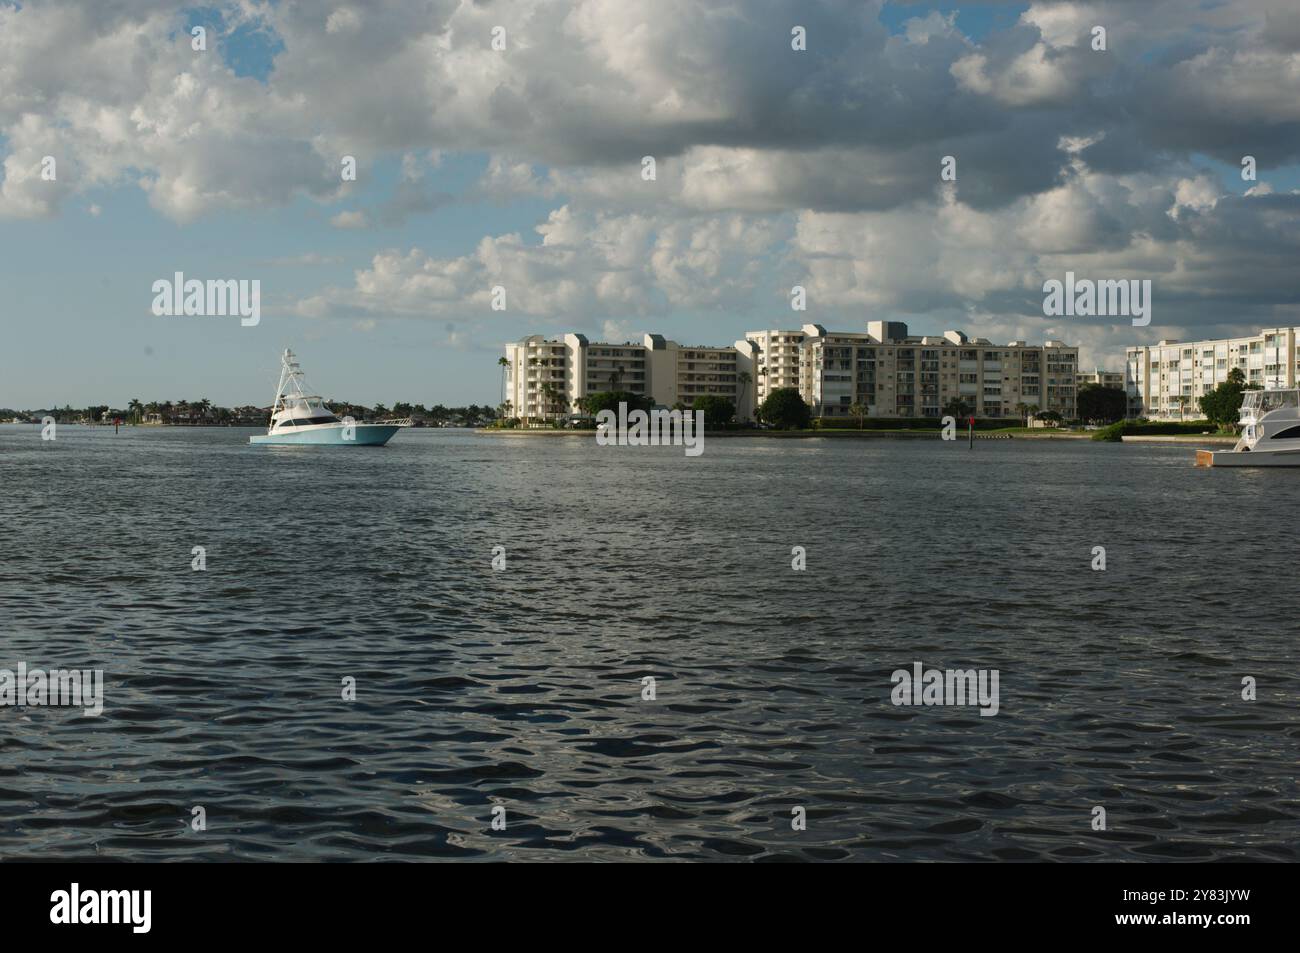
{"type": "Point", "coordinates": [522, 688]}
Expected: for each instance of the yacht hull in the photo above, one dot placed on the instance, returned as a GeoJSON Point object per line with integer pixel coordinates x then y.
{"type": "Point", "coordinates": [1249, 458]}
{"type": "Point", "coordinates": [1270, 431]}
{"type": "Point", "coordinates": [366, 435]}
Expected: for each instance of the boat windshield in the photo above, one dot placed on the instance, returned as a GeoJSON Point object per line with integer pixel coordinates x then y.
{"type": "Point", "coordinates": [307, 421]}
{"type": "Point", "coordinates": [1262, 401]}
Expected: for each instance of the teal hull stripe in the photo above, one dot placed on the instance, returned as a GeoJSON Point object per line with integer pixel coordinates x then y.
{"type": "Point", "coordinates": [367, 435]}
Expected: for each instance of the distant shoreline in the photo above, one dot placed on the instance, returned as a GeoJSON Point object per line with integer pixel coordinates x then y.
{"type": "Point", "coordinates": [883, 434]}
{"type": "Point", "coordinates": [711, 434]}
{"type": "Point", "coordinates": [261, 426]}
{"type": "Point", "coordinates": [798, 434]}
{"type": "Point", "coordinates": [124, 426]}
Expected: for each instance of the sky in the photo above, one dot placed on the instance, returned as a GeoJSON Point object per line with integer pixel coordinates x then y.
{"type": "Point", "coordinates": [522, 168]}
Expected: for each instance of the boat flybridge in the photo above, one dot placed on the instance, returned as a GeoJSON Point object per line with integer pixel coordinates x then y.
{"type": "Point", "coordinates": [1270, 436]}
{"type": "Point", "coordinates": [300, 417]}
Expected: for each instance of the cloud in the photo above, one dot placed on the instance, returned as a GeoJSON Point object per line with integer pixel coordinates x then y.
{"type": "Point", "coordinates": [934, 23]}
{"type": "Point", "coordinates": [590, 86]}
{"type": "Point", "coordinates": [773, 166]}
{"type": "Point", "coordinates": [350, 219]}
{"type": "Point", "coordinates": [585, 265]}
{"type": "Point", "coordinates": [1062, 24]}
{"type": "Point", "coordinates": [617, 332]}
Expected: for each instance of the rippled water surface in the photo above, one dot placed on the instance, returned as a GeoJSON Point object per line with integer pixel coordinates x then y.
{"type": "Point", "coordinates": [522, 688]}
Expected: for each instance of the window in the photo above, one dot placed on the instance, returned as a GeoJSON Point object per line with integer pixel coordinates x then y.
{"type": "Point", "coordinates": [306, 421]}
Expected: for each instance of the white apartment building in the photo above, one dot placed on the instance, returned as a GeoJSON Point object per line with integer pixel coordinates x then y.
{"type": "Point", "coordinates": [884, 369]}
{"type": "Point", "coordinates": [1166, 380]}
{"type": "Point", "coordinates": [544, 378]}
{"type": "Point", "coordinates": [777, 357]}
{"type": "Point", "coordinates": [1114, 379]}
{"type": "Point", "coordinates": [893, 374]}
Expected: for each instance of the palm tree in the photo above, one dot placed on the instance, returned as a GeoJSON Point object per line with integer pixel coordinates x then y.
{"type": "Point", "coordinates": [859, 411]}
{"type": "Point", "coordinates": [554, 396]}
{"type": "Point", "coordinates": [744, 378]}
{"type": "Point", "coordinates": [956, 407]}
{"type": "Point", "coordinates": [1023, 410]}
{"type": "Point", "coordinates": [503, 363]}
{"type": "Point", "coordinates": [532, 363]}
{"type": "Point", "coordinates": [135, 407]}
{"type": "Point", "coordinates": [616, 377]}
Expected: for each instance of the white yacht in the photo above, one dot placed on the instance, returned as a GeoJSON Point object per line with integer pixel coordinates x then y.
{"type": "Point", "coordinates": [300, 417]}
{"type": "Point", "coordinates": [1270, 435]}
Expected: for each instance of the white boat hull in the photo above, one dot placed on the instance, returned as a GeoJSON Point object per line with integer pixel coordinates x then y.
{"type": "Point", "coordinates": [300, 418]}
{"type": "Point", "coordinates": [364, 435]}
{"type": "Point", "coordinates": [1270, 432]}
{"type": "Point", "coordinates": [1248, 458]}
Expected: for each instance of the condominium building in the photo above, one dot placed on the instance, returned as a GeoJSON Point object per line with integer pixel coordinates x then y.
{"type": "Point", "coordinates": [1167, 379]}
{"type": "Point", "coordinates": [546, 377]}
{"type": "Point", "coordinates": [777, 357]}
{"type": "Point", "coordinates": [1114, 379]}
{"type": "Point", "coordinates": [537, 375]}
{"type": "Point", "coordinates": [890, 373]}
{"type": "Point", "coordinates": [883, 370]}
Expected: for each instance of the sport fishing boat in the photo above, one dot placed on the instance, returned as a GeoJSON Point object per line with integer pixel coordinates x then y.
{"type": "Point", "coordinates": [1270, 436]}
{"type": "Point", "coordinates": [300, 417]}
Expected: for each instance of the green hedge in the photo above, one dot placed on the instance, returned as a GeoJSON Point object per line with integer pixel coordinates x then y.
{"type": "Point", "coordinates": [1131, 428]}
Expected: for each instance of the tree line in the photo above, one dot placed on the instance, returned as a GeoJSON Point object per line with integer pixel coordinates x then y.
{"type": "Point", "coordinates": [203, 412]}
